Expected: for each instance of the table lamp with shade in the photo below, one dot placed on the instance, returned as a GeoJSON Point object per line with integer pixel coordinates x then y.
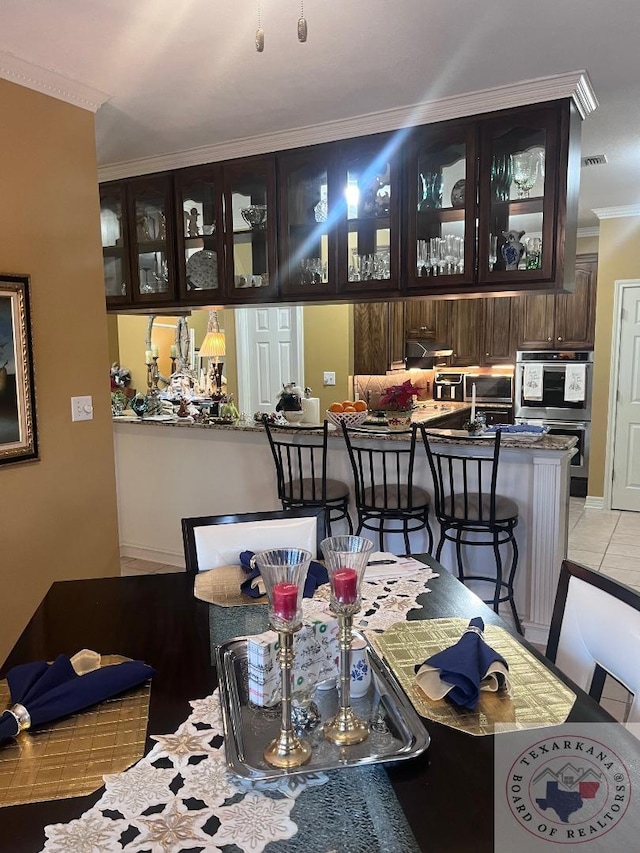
{"type": "Point", "coordinates": [213, 347]}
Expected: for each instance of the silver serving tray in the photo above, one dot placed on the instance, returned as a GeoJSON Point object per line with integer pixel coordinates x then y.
{"type": "Point", "coordinates": [396, 731]}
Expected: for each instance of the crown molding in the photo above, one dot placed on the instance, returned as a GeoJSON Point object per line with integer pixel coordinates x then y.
{"type": "Point", "coordinates": [50, 82]}
{"type": "Point", "coordinates": [617, 212]}
{"type": "Point", "coordinates": [574, 85]}
{"type": "Point", "coordinates": [591, 231]}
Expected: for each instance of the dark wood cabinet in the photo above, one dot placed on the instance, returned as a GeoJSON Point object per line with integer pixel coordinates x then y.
{"type": "Point", "coordinates": [501, 331]}
{"type": "Point", "coordinates": [371, 338]}
{"type": "Point", "coordinates": [497, 415]}
{"type": "Point", "coordinates": [428, 318]}
{"type": "Point", "coordinates": [565, 321]}
{"type": "Point", "coordinates": [467, 332]}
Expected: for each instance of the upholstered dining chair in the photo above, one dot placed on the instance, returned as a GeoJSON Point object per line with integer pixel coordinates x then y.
{"type": "Point", "coordinates": [216, 540]}
{"type": "Point", "coordinates": [471, 512]}
{"type": "Point", "coordinates": [387, 500]}
{"type": "Point", "coordinates": [595, 632]}
{"type": "Point", "coordinates": [301, 473]}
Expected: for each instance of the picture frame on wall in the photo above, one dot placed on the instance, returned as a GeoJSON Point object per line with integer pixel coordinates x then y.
{"type": "Point", "coordinates": [18, 429]}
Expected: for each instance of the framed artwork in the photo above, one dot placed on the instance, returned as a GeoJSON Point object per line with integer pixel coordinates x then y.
{"type": "Point", "coordinates": [18, 433]}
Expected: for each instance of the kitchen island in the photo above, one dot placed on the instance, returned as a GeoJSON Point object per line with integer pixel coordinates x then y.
{"type": "Point", "coordinates": [167, 470]}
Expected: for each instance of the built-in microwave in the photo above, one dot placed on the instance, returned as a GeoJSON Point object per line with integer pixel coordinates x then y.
{"type": "Point", "coordinates": [490, 388]}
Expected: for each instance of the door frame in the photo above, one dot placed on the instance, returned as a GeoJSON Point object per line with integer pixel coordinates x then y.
{"type": "Point", "coordinates": [243, 350]}
{"type": "Point", "coordinates": [619, 288]}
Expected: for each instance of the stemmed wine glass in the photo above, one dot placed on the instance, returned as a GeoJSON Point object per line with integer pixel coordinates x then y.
{"type": "Point", "coordinates": [493, 251]}
{"type": "Point", "coordinates": [525, 171]}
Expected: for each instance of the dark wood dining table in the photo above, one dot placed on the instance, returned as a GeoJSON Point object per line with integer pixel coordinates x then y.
{"type": "Point", "coordinates": [446, 794]}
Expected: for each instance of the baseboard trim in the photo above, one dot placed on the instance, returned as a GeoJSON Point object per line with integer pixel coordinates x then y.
{"type": "Point", "coordinates": [594, 503]}
{"type": "Point", "coordinates": [141, 552]}
{"type": "Point", "coordinates": [535, 633]}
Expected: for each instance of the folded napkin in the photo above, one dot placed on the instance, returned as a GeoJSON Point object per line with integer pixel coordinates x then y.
{"type": "Point", "coordinates": [383, 564]}
{"type": "Point", "coordinates": [463, 670]}
{"type": "Point", "coordinates": [316, 576]}
{"type": "Point", "coordinates": [42, 692]}
{"type": "Point", "coordinates": [514, 428]}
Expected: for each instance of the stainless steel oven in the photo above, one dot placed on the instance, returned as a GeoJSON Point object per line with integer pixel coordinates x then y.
{"type": "Point", "coordinates": [490, 387]}
{"type": "Point", "coordinates": [580, 429]}
{"type": "Point", "coordinates": [552, 403]}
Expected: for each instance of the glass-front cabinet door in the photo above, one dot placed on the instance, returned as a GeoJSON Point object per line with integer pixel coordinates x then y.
{"type": "Point", "coordinates": [115, 243]}
{"type": "Point", "coordinates": [441, 208]}
{"type": "Point", "coordinates": [367, 215]}
{"type": "Point", "coordinates": [151, 230]}
{"type": "Point", "coordinates": [250, 229]}
{"type": "Point", "coordinates": [523, 211]}
{"type": "Point", "coordinates": [306, 238]}
{"type": "Point", "coordinates": [198, 230]}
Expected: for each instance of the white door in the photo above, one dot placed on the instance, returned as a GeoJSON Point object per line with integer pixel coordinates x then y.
{"type": "Point", "coordinates": [269, 349]}
{"type": "Point", "coordinates": [625, 493]}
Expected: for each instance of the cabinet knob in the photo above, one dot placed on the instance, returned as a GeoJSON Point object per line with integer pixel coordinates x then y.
{"type": "Point", "coordinates": [486, 353]}
{"type": "Point", "coordinates": [549, 339]}
{"type": "Point", "coordinates": [559, 338]}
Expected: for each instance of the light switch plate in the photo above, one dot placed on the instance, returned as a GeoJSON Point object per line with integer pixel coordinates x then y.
{"type": "Point", "coordinates": [81, 409]}
{"type": "Point", "coordinates": [329, 377]}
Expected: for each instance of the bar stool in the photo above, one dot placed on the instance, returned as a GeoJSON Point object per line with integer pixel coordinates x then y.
{"type": "Point", "coordinates": [383, 485]}
{"type": "Point", "coordinates": [466, 502]}
{"type": "Point", "coordinates": [301, 471]}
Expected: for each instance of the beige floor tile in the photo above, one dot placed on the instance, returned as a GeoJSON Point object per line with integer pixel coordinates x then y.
{"type": "Point", "coordinates": [132, 566]}
{"type": "Point", "coordinates": [618, 710]}
{"type": "Point", "coordinates": [621, 537]}
{"type": "Point", "coordinates": [586, 558]}
{"type": "Point", "coordinates": [628, 576]}
{"type": "Point", "coordinates": [620, 549]}
{"type": "Point", "coordinates": [614, 690]}
{"type": "Point", "coordinates": [582, 542]}
{"type": "Point", "coordinates": [629, 521]}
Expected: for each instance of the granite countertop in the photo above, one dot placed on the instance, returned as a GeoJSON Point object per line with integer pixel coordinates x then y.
{"type": "Point", "coordinates": [428, 413]}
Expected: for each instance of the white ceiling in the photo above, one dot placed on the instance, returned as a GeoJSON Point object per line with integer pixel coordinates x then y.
{"type": "Point", "coordinates": [177, 75]}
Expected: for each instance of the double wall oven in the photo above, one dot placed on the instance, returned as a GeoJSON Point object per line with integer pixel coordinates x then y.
{"type": "Point", "coordinates": [552, 403]}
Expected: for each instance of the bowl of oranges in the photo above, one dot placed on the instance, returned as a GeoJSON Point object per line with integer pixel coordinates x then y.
{"type": "Point", "coordinates": [350, 412]}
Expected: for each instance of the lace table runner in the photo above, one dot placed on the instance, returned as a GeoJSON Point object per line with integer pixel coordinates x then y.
{"type": "Point", "coordinates": [182, 797]}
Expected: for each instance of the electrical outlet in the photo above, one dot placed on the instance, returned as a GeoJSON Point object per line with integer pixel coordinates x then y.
{"type": "Point", "coordinates": [329, 377]}
{"type": "Point", "coordinates": [81, 409]}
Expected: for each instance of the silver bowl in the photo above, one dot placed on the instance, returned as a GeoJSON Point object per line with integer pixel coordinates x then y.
{"type": "Point", "coordinates": [255, 215]}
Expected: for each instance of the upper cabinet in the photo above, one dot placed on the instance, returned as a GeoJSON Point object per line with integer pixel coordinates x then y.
{"type": "Point", "coordinates": [475, 207]}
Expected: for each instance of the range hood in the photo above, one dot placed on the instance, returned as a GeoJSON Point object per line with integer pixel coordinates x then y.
{"type": "Point", "coordinates": [425, 353]}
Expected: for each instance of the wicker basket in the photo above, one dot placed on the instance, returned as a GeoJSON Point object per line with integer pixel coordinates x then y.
{"type": "Point", "coordinates": [350, 419]}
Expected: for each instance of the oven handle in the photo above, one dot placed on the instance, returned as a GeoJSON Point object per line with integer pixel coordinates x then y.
{"type": "Point", "coordinates": [556, 424]}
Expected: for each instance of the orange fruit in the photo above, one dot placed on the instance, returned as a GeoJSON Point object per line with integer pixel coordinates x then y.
{"type": "Point", "coordinates": [349, 409]}
{"type": "Point", "coordinates": [347, 402]}
{"type": "Point", "coordinates": [336, 407]}
{"type": "Point", "coordinates": [360, 406]}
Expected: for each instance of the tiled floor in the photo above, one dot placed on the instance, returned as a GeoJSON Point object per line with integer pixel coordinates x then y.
{"type": "Point", "coordinates": [606, 541]}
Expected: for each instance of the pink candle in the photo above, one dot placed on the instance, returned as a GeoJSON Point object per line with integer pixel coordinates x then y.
{"type": "Point", "coordinates": [285, 600]}
{"type": "Point", "coordinates": [345, 585]}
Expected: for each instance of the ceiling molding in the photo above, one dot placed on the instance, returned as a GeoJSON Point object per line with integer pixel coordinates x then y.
{"type": "Point", "coordinates": [49, 82]}
{"type": "Point", "coordinates": [574, 85]}
{"type": "Point", "coordinates": [617, 212]}
{"type": "Point", "coordinates": [591, 231]}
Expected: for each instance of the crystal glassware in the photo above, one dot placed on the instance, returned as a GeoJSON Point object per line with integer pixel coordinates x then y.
{"type": "Point", "coordinates": [346, 558]}
{"type": "Point", "coordinates": [493, 250]}
{"type": "Point", "coordinates": [525, 171]}
{"type": "Point", "coordinates": [284, 571]}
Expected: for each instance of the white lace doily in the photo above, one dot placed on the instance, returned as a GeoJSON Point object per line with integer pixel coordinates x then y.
{"type": "Point", "coordinates": [182, 796]}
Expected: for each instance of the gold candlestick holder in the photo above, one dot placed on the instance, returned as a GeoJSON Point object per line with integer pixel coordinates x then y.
{"type": "Point", "coordinates": [287, 750]}
{"type": "Point", "coordinates": [346, 558]}
{"type": "Point", "coordinates": [283, 571]}
{"type": "Point", "coordinates": [345, 728]}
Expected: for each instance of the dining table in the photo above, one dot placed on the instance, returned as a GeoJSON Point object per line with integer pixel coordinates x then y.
{"type": "Point", "coordinates": [445, 795]}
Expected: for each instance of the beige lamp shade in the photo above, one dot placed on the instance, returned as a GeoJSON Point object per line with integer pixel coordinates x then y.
{"type": "Point", "coordinates": [213, 345]}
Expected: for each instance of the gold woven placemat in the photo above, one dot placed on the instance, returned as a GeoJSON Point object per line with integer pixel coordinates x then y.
{"type": "Point", "coordinates": [538, 697]}
{"type": "Point", "coordinates": [222, 586]}
{"type": "Point", "coordinates": [68, 758]}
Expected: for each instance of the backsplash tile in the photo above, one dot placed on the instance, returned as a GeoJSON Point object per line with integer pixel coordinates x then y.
{"type": "Point", "coordinates": [370, 388]}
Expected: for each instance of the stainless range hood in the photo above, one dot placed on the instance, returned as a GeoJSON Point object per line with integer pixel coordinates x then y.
{"type": "Point", "coordinates": [424, 353]}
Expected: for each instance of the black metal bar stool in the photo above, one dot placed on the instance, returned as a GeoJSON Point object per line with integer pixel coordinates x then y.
{"type": "Point", "coordinates": [383, 485]}
{"type": "Point", "coordinates": [466, 502]}
{"type": "Point", "coordinates": [301, 471]}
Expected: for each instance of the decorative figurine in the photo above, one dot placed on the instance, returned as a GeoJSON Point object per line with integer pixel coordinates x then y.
{"type": "Point", "coordinates": [192, 223]}
{"type": "Point", "coordinates": [513, 249]}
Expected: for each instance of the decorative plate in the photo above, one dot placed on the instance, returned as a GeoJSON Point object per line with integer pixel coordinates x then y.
{"type": "Point", "coordinates": [202, 270]}
{"type": "Point", "coordinates": [457, 193]}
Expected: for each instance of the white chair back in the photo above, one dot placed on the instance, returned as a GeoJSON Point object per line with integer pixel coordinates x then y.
{"type": "Point", "coordinates": [221, 544]}
{"type": "Point", "coordinates": [600, 627]}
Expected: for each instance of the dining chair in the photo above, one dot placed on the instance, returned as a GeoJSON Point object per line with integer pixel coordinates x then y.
{"type": "Point", "coordinates": [595, 632]}
{"type": "Point", "coordinates": [301, 473]}
{"type": "Point", "coordinates": [472, 513]}
{"type": "Point", "coordinates": [385, 494]}
{"type": "Point", "coordinates": [212, 541]}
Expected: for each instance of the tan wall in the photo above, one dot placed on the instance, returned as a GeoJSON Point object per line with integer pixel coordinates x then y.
{"type": "Point", "coordinates": [59, 517]}
{"type": "Point", "coordinates": [618, 258]}
{"type": "Point", "coordinates": [328, 345]}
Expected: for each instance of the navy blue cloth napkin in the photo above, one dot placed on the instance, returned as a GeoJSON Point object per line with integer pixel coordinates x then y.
{"type": "Point", "coordinates": [462, 667]}
{"type": "Point", "coordinates": [316, 576]}
{"type": "Point", "coordinates": [52, 690]}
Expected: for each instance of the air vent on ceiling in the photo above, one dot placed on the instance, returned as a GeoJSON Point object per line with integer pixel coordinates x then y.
{"type": "Point", "coordinates": [594, 160]}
